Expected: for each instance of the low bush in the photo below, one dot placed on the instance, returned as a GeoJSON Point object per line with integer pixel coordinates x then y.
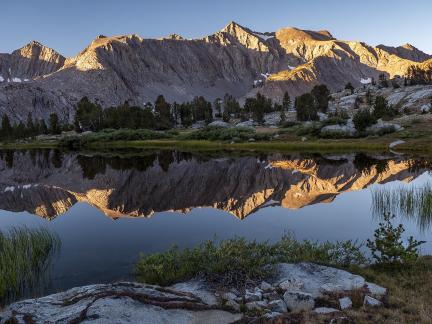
{"type": "Point", "coordinates": [214, 133]}
{"type": "Point", "coordinates": [288, 124]}
{"type": "Point", "coordinates": [238, 261]}
{"type": "Point", "coordinates": [363, 119]}
{"type": "Point", "coordinates": [388, 248]}
{"type": "Point", "coordinates": [110, 135]}
{"type": "Point", "coordinates": [312, 129]}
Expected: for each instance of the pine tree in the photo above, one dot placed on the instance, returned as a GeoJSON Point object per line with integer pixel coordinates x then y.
{"type": "Point", "coordinates": [349, 87]}
{"type": "Point", "coordinates": [43, 127]}
{"type": "Point", "coordinates": [321, 94]}
{"type": "Point", "coordinates": [306, 108]}
{"type": "Point", "coordinates": [31, 129]}
{"type": "Point", "coordinates": [162, 113]}
{"type": "Point", "coordinates": [286, 101]}
{"type": "Point", "coordinates": [54, 124]}
{"type": "Point", "coordinates": [6, 130]}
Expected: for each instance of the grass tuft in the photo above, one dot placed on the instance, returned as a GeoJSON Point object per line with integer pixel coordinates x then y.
{"type": "Point", "coordinates": [25, 256]}
{"type": "Point", "coordinates": [409, 202]}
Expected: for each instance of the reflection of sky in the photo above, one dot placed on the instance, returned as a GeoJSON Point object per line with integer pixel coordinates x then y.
{"type": "Point", "coordinates": [96, 248]}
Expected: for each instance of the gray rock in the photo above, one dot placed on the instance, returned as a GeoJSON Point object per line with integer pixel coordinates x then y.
{"type": "Point", "coordinates": [345, 303]}
{"type": "Point", "coordinates": [256, 305]}
{"type": "Point", "coordinates": [235, 291]}
{"type": "Point", "coordinates": [381, 126]}
{"type": "Point", "coordinates": [265, 286]}
{"type": "Point", "coordinates": [198, 288]}
{"type": "Point", "coordinates": [376, 290]}
{"type": "Point", "coordinates": [251, 296]}
{"type": "Point", "coordinates": [120, 303]}
{"type": "Point", "coordinates": [278, 306]}
{"type": "Point", "coordinates": [248, 123]}
{"type": "Point", "coordinates": [272, 315]}
{"type": "Point", "coordinates": [271, 296]}
{"type": "Point", "coordinates": [219, 123]}
{"type": "Point", "coordinates": [233, 305]}
{"type": "Point", "coordinates": [297, 300]}
{"type": "Point", "coordinates": [229, 296]}
{"type": "Point", "coordinates": [325, 310]}
{"type": "Point", "coordinates": [347, 130]}
{"type": "Point", "coordinates": [370, 301]}
{"type": "Point", "coordinates": [318, 279]}
{"type": "Point", "coordinates": [291, 284]}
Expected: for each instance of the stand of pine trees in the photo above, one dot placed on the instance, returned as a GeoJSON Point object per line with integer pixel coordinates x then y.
{"type": "Point", "coordinates": [31, 128]}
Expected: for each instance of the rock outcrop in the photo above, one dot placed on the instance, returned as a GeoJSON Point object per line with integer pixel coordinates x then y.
{"type": "Point", "coordinates": [189, 302]}
{"type": "Point", "coordinates": [112, 70]}
{"type": "Point", "coordinates": [123, 302]}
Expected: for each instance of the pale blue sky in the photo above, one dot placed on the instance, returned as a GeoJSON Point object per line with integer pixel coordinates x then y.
{"type": "Point", "coordinates": [69, 26]}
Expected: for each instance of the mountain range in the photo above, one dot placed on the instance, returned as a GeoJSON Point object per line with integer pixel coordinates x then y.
{"type": "Point", "coordinates": [234, 60]}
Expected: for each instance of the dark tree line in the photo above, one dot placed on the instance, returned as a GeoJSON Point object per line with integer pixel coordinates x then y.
{"type": "Point", "coordinates": [162, 115]}
{"type": "Point", "coordinates": [31, 128]}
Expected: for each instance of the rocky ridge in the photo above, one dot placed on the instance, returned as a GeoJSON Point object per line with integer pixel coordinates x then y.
{"type": "Point", "coordinates": [112, 70]}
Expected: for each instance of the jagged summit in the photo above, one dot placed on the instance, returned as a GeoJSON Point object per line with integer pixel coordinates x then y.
{"type": "Point", "coordinates": [233, 60]}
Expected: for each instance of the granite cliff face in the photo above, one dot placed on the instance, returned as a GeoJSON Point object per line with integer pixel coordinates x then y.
{"type": "Point", "coordinates": [233, 60]}
{"type": "Point", "coordinates": [49, 184]}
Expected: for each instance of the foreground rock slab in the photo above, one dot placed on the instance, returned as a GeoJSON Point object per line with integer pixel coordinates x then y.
{"type": "Point", "coordinates": [117, 303]}
{"type": "Point", "coordinates": [316, 279]}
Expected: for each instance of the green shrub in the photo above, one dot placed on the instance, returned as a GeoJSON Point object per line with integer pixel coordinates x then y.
{"type": "Point", "coordinates": [110, 135]}
{"type": "Point", "coordinates": [288, 124]}
{"type": "Point", "coordinates": [237, 261]}
{"type": "Point", "coordinates": [388, 248]}
{"type": "Point", "coordinates": [363, 119]}
{"type": "Point", "coordinates": [214, 133]}
{"type": "Point", "coordinates": [334, 120]}
{"type": "Point", "coordinates": [333, 134]}
{"type": "Point", "coordinates": [313, 129]}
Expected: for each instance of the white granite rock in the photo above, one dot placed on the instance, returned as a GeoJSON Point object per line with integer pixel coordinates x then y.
{"type": "Point", "coordinates": [318, 279]}
{"type": "Point", "coordinates": [376, 290]}
{"type": "Point", "coordinates": [117, 303]}
{"type": "Point", "coordinates": [297, 300]}
{"type": "Point", "coordinates": [345, 303]}
{"type": "Point", "coordinates": [325, 310]}
{"type": "Point", "coordinates": [278, 306]}
{"type": "Point", "coordinates": [370, 301]}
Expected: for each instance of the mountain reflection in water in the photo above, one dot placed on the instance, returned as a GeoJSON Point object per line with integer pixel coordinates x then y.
{"type": "Point", "coordinates": [256, 196]}
{"type": "Point", "coordinates": [138, 184]}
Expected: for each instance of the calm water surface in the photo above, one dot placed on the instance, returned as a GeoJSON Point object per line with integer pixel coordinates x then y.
{"type": "Point", "coordinates": [108, 208]}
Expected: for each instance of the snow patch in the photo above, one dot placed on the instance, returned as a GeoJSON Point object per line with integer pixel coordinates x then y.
{"type": "Point", "coordinates": [266, 75]}
{"type": "Point", "coordinates": [27, 186]}
{"type": "Point", "coordinates": [1, 78]}
{"type": "Point", "coordinates": [263, 36]}
{"type": "Point", "coordinates": [366, 81]}
{"type": "Point", "coordinates": [268, 166]}
{"type": "Point", "coordinates": [11, 189]}
{"type": "Point", "coordinates": [16, 79]}
{"type": "Point", "coordinates": [291, 67]}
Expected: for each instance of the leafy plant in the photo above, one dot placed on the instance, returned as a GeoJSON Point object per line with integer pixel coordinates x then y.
{"type": "Point", "coordinates": [388, 247]}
